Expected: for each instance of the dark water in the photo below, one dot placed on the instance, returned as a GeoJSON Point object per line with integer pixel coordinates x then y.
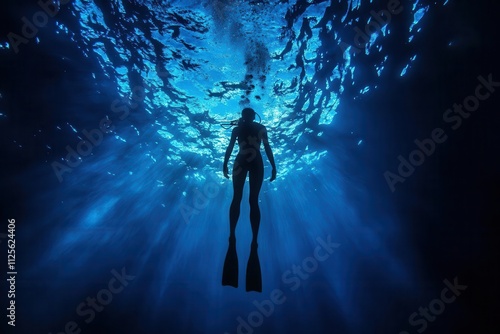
{"type": "Point", "coordinates": [110, 117]}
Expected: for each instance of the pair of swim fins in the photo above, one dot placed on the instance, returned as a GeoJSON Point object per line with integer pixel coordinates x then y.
{"type": "Point", "coordinates": [230, 271]}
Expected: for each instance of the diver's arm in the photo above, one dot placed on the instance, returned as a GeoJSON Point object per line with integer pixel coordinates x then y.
{"type": "Point", "coordinates": [269, 153]}
{"type": "Point", "coordinates": [228, 152]}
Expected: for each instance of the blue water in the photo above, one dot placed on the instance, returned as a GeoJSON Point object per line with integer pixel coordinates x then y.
{"type": "Point", "coordinates": [151, 197]}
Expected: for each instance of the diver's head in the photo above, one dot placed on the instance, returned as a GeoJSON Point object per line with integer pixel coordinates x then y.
{"type": "Point", "coordinates": [248, 115]}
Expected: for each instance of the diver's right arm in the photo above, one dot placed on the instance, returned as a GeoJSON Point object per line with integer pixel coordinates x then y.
{"type": "Point", "coordinates": [228, 153]}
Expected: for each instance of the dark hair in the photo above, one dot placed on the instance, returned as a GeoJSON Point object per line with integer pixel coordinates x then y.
{"type": "Point", "coordinates": [248, 114]}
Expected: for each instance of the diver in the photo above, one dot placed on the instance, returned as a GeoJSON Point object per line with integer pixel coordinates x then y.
{"type": "Point", "coordinates": [250, 135]}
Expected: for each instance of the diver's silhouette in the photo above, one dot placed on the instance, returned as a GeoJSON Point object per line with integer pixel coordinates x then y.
{"type": "Point", "coordinates": [249, 160]}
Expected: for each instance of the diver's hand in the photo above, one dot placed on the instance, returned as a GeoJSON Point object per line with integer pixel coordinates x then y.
{"type": "Point", "coordinates": [273, 175]}
{"type": "Point", "coordinates": [226, 172]}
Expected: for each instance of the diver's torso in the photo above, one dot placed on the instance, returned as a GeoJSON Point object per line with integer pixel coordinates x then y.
{"type": "Point", "coordinates": [249, 140]}
{"type": "Point", "coordinates": [250, 136]}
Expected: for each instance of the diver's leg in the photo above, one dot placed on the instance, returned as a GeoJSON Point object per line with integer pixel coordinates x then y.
{"type": "Point", "coordinates": [254, 277]}
{"type": "Point", "coordinates": [256, 177]}
{"type": "Point", "coordinates": [230, 270]}
{"type": "Point", "coordinates": [239, 175]}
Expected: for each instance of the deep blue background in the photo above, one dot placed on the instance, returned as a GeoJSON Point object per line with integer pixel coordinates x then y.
{"type": "Point", "coordinates": [396, 249]}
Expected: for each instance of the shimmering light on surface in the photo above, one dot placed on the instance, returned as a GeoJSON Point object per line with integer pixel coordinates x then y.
{"type": "Point", "coordinates": [203, 68]}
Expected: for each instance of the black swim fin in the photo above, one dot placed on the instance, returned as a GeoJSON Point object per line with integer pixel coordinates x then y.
{"type": "Point", "coordinates": [230, 271]}
{"type": "Point", "coordinates": [254, 277]}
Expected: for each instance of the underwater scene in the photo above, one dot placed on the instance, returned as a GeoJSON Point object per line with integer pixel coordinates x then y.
{"type": "Point", "coordinates": [241, 166]}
